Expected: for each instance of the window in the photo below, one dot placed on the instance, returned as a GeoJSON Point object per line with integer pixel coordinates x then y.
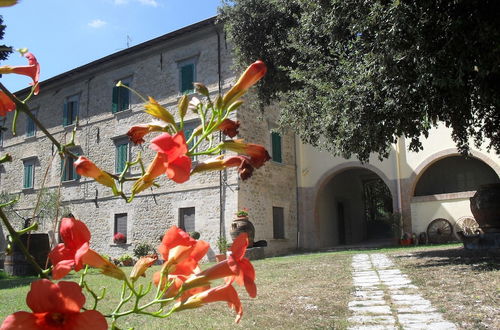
{"type": "Point", "coordinates": [278, 223]}
{"type": "Point", "coordinates": [68, 171]}
{"type": "Point", "coordinates": [189, 128]}
{"type": "Point", "coordinates": [70, 110]}
{"type": "Point", "coordinates": [29, 173]}
{"type": "Point", "coordinates": [121, 225]}
{"type": "Point", "coordinates": [186, 219]}
{"type": "Point", "coordinates": [121, 97]}
{"type": "Point", "coordinates": [121, 155]}
{"type": "Point", "coordinates": [30, 126]}
{"type": "Point", "coordinates": [187, 76]}
{"type": "Point", "coordinates": [276, 147]}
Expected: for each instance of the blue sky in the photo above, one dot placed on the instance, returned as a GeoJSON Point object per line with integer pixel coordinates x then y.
{"type": "Point", "coordinates": [65, 34]}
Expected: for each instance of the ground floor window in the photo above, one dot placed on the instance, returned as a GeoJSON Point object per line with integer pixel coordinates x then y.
{"type": "Point", "coordinates": [278, 223]}
{"type": "Point", "coordinates": [186, 219]}
{"type": "Point", "coordinates": [120, 228]}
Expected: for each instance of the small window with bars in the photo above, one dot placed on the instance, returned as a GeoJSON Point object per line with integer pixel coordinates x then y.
{"type": "Point", "coordinates": [187, 219]}
{"type": "Point", "coordinates": [121, 97]}
{"type": "Point", "coordinates": [278, 223]}
{"type": "Point", "coordinates": [70, 110]}
{"type": "Point", "coordinates": [120, 228]}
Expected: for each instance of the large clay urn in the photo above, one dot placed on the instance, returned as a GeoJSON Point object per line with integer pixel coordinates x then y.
{"type": "Point", "coordinates": [485, 206]}
{"type": "Point", "coordinates": [243, 225]}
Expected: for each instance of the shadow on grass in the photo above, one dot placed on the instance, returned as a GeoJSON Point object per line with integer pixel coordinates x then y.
{"type": "Point", "coordinates": [475, 259]}
{"type": "Point", "coordinates": [8, 283]}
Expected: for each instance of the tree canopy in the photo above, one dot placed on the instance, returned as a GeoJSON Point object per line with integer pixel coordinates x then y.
{"type": "Point", "coordinates": [352, 75]}
{"type": "Point", "coordinates": [4, 50]}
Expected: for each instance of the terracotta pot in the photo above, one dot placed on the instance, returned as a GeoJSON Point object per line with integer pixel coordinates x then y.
{"type": "Point", "coordinates": [405, 241]}
{"type": "Point", "coordinates": [243, 225]}
{"type": "Point", "coordinates": [485, 206]}
{"type": "Point", "coordinates": [220, 257]}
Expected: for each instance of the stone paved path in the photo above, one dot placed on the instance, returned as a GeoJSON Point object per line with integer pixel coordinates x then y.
{"type": "Point", "coordinates": [386, 299]}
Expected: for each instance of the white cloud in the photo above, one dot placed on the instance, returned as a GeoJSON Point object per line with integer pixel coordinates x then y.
{"type": "Point", "coordinates": [97, 23]}
{"type": "Point", "coordinates": [151, 3]}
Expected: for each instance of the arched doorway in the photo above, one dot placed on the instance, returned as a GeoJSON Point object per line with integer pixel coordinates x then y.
{"type": "Point", "coordinates": [354, 205]}
{"type": "Point", "coordinates": [454, 174]}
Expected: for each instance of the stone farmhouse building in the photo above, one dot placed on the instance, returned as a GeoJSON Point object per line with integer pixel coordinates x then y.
{"type": "Point", "coordinates": [302, 199]}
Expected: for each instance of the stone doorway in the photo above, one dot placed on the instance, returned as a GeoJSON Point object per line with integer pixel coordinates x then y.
{"type": "Point", "coordinates": [354, 206]}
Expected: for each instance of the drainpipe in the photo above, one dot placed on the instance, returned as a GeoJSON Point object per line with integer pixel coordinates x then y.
{"type": "Point", "coordinates": [222, 229]}
{"type": "Point", "coordinates": [297, 190]}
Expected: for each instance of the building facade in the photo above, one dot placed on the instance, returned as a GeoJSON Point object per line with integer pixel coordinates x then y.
{"type": "Point", "coordinates": [302, 199]}
{"type": "Point", "coordinates": [165, 69]}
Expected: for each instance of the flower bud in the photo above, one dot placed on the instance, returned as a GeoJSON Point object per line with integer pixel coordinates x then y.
{"type": "Point", "coordinates": [183, 105]}
{"type": "Point", "coordinates": [201, 89]}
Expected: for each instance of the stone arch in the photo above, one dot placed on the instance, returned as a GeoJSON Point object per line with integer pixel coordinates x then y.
{"type": "Point", "coordinates": [324, 189]}
{"type": "Point", "coordinates": [429, 161]}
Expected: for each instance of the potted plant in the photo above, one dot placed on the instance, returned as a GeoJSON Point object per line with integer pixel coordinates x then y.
{"type": "Point", "coordinates": [143, 249]}
{"type": "Point", "coordinates": [242, 225]}
{"type": "Point", "coordinates": [405, 239]}
{"type": "Point", "coordinates": [119, 238]}
{"type": "Point", "coordinates": [222, 246]}
{"type": "Point", "coordinates": [126, 260]}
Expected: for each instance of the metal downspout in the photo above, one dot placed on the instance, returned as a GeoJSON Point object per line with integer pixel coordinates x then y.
{"type": "Point", "coordinates": [222, 230]}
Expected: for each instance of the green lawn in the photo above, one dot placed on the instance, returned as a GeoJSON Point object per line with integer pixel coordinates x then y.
{"type": "Point", "coordinates": [311, 291]}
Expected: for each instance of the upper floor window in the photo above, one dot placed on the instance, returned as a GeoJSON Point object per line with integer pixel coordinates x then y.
{"type": "Point", "coordinates": [187, 75]}
{"type": "Point", "coordinates": [70, 110]}
{"type": "Point", "coordinates": [30, 125]}
{"type": "Point", "coordinates": [68, 171]}
{"type": "Point", "coordinates": [276, 147]}
{"type": "Point", "coordinates": [121, 97]}
{"type": "Point", "coordinates": [29, 173]}
{"type": "Point", "coordinates": [122, 151]}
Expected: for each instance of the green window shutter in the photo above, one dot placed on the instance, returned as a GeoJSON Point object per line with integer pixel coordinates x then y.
{"type": "Point", "coordinates": [65, 114]}
{"type": "Point", "coordinates": [276, 147]}
{"type": "Point", "coordinates": [121, 157]}
{"type": "Point", "coordinates": [28, 176]}
{"type": "Point", "coordinates": [63, 170]}
{"type": "Point", "coordinates": [30, 127]}
{"type": "Point", "coordinates": [68, 171]}
{"type": "Point", "coordinates": [74, 111]}
{"type": "Point", "coordinates": [187, 78]}
{"type": "Point", "coordinates": [76, 176]}
{"type": "Point", "coordinates": [114, 107]}
{"type": "Point", "coordinates": [124, 97]}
